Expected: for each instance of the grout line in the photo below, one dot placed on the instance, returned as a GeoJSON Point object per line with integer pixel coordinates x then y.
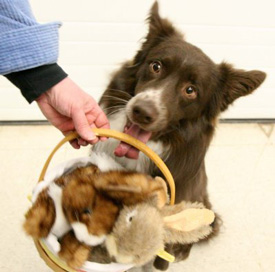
{"type": "Point", "coordinates": [247, 121]}
{"type": "Point", "coordinates": [25, 123]}
{"type": "Point", "coordinates": [267, 133]}
{"type": "Point", "coordinates": [221, 121]}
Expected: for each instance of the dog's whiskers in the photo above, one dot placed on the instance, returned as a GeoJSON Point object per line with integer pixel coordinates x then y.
{"type": "Point", "coordinates": [114, 107]}
{"type": "Point", "coordinates": [113, 112]}
{"type": "Point", "coordinates": [117, 90]}
{"type": "Point", "coordinates": [115, 98]}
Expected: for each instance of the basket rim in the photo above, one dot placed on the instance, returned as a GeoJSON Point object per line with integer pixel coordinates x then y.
{"type": "Point", "coordinates": [127, 139]}
{"type": "Point", "coordinates": [54, 262]}
{"type": "Point", "coordinates": [45, 253]}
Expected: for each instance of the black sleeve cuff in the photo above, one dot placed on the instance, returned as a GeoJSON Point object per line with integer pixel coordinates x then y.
{"type": "Point", "coordinates": [33, 82]}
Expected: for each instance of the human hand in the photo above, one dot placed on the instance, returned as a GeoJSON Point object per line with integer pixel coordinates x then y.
{"type": "Point", "coordinates": [68, 108]}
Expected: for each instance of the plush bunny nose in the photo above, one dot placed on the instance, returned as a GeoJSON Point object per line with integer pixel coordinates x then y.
{"type": "Point", "coordinates": [144, 112]}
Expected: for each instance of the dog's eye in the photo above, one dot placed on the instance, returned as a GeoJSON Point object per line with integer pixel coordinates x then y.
{"type": "Point", "coordinates": [155, 67]}
{"type": "Point", "coordinates": [190, 90]}
{"type": "Point", "coordinates": [87, 211]}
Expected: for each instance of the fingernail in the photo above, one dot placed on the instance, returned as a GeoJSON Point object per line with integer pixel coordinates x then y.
{"type": "Point", "coordinates": [91, 137]}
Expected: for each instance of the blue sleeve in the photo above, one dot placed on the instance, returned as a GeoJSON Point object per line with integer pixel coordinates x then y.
{"type": "Point", "coordinates": [24, 43]}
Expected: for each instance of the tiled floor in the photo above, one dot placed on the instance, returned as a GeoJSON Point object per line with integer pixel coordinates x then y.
{"type": "Point", "coordinates": [241, 170]}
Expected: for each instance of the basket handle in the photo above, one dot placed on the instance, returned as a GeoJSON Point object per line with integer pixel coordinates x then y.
{"type": "Point", "coordinates": [127, 139]}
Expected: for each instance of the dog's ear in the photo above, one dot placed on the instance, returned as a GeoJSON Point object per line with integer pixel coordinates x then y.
{"type": "Point", "coordinates": [236, 83]}
{"type": "Point", "coordinates": [159, 28]}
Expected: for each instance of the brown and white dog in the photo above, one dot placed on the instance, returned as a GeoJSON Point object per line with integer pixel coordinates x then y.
{"type": "Point", "coordinates": [169, 96]}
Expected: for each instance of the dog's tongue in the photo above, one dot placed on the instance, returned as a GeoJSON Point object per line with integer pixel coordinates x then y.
{"type": "Point", "coordinates": [128, 151]}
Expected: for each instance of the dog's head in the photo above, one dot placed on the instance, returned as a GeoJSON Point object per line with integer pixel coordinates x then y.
{"type": "Point", "coordinates": [176, 81]}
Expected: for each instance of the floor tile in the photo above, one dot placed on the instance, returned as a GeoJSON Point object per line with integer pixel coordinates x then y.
{"type": "Point", "coordinates": [272, 136]}
{"type": "Point", "coordinates": [238, 134]}
{"type": "Point", "coordinates": [29, 137]}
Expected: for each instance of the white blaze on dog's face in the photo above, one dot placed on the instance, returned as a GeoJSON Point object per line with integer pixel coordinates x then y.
{"type": "Point", "coordinates": [146, 108]}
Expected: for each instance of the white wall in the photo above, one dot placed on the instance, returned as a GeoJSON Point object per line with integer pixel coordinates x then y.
{"type": "Point", "coordinates": [98, 35]}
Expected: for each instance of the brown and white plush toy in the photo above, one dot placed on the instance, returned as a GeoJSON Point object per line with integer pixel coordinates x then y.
{"type": "Point", "coordinates": [81, 203]}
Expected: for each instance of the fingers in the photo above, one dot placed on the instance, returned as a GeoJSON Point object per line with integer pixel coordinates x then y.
{"type": "Point", "coordinates": [77, 143]}
{"type": "Point", "coordinates": [82, 142]}
{"type": "Point", "coordinates": [101, 138]}
{"type": "Point", "coordinates": [82, 127]}
{"type": "Point", "coordinates": [74, 144]}
{"type": "Point", "coordinates": [101, 121]}
{"type": "Point", "coordinates": [84, 122]}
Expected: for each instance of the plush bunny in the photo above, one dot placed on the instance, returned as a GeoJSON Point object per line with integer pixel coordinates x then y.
{"type": "Point", "coordinates": [142, 230]}
{"type": "Point", "coordinates": [81, 207]}
{"type": "Point", "coordinates": [67, 204]}
{"type": "Point", "coordinates": [125, 188]}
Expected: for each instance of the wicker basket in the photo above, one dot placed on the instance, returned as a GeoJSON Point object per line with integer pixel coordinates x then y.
{"type": "Point", "coordinates": [47, 253]}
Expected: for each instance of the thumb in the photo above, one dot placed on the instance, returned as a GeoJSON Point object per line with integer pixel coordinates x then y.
{"type": "Point", "coordinates": [82, 126]}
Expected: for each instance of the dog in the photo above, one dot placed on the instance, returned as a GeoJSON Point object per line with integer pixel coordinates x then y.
{"type": "Point", "coordinates": [169, 96]}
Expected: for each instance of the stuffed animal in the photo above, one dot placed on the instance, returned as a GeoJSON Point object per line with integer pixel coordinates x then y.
{"type": "Point", "coordinates": [142, 230]}
{"type": "Point", "coordinates": [103, 214]}
{"type": "Point", "coordinates": [124, 188]}
{"type": "Point", "coordinates": [81, 206]}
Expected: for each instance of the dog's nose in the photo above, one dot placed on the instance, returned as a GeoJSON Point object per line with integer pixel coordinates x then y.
{"type": "Point", "coordinates": [144, 112]}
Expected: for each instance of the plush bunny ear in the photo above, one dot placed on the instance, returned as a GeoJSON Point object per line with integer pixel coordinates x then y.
{"type": "Point", "coordinates": [187, 222]}
{"type": "Point", "coordinates": [190, 219]}
{"type": "Point", "coordinates": [129, 187]}
{"type": "Point", "coordinates": [40, 217]}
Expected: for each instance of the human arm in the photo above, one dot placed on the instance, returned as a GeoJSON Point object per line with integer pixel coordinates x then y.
{"type": "Point", "coordinates": [28, 55]}
{"type": "Point", "coordinates": [25, 43]}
